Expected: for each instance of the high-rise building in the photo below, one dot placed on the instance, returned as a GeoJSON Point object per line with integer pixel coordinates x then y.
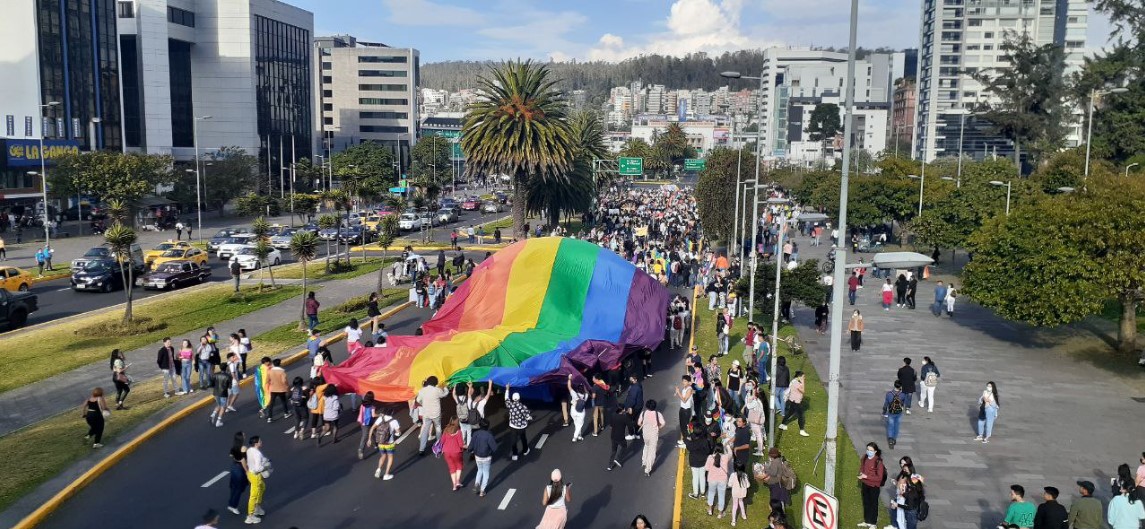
{"type": "Point", "coordinates": [218, 73]}
{"type": "Point", "coordinates": [59, 66]}
{"type": "Point", "coordinates": [903, 113]}
{"type": "Point", "coordinates": [654, 104]}
{"type": "Point", "coordinates": [962, 37]}
{"type": "Point", "coordinates": [368, 92]}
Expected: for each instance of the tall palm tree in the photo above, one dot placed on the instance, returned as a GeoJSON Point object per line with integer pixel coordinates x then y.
{"type": "Point", "coordinates": [518, 127]}
{"type": "Point", "coordinates": [327, 222]}
{"type": "Point", "coordinates": [304, 247]}
{"type": "Point", "coordinates": [578, 193]}
{"type": "Point", "coordinates": [387, 232]}
{"type": "Point", "coordinates": [120, 238]}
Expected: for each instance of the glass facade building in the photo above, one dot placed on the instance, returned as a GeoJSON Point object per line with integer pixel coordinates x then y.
{"type": "Point", "coordinates": [282, 87]}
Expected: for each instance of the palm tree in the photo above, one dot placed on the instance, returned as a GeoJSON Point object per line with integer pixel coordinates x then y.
{"type": "Point", "coordinates": [339, 200]}
{"type": "Point", "coordinates": [304, 247]}
{"type": "Point", "coordinates": [387, 232]}
{"type": "Point", "coordinates": [120, 238]}
{"type": "Point", "coordinates": [327, 222]}
{"type": "Point", "coordinates": [262, 248]}
{"type": "Point", "coordinates": [518, 127]}
{"type": "Point", "coordinates": [116, 210]}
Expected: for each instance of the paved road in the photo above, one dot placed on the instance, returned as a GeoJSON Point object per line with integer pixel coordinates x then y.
{"type": "Point", "coordinates": [329, 487]}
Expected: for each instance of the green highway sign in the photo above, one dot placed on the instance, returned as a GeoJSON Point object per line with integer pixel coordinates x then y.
{"type": "Point", "coordinates": [694, 164]}
{"type": "Point", "coordinates": [630, 166]}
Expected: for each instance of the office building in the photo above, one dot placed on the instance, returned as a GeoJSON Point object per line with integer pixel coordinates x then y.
{"type": "Point", "coordinates": [961, 37]}
{"type": "Point", "coordinates": [368, 91]}
{"type": "Point", "coordinates": [904, 110]}
{"type": "Point", "coordinates": [60, 68]}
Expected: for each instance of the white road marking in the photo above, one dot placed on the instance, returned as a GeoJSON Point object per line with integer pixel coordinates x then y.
{"type": "Point", "coordinates": [541, 442]}
{"type": "Point", "coordinates": [508, 497]}
{"type": "Point", "coordinates": [290, 431]}
{"type": "Point", "coordinates": [216, 479]}
{"type": "Point", "coordinates": [65, 289]}
{"type": "Point", "coordinates": [404, 435]}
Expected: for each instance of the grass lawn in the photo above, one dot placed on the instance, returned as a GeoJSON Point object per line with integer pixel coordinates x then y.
{"type": "Point", "coordinates": [41, 353]}
{"type": "Point", "coordinates": [316, 270]}
{"type": "Point", "coordinates": [331, 320]}
{"type": "Point", "coordinates": [801, 451]}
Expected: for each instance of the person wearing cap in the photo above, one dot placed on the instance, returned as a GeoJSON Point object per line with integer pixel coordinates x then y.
{"type": "Point", "coordinates": [210, 520]}
{"type": "Point", "coordinates": [1085, 512]}
{"type": "Point", "coordinates": [1020, 513]}
{"type": "Point", "coordinates": [1051, 514]}
{"type": "Point", "coordinates": [555, 499]}
{"type": "Point", "coordinates": [519, 418]}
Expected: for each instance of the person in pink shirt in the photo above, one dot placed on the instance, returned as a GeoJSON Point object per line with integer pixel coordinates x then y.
{"type": "Point", "coordinates": [794, 407]}
{"type": "Point", "coordinates": [187, 364]}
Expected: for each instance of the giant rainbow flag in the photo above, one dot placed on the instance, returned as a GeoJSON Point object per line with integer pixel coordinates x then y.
{"type": "Point", "coordinates": [532, 313]}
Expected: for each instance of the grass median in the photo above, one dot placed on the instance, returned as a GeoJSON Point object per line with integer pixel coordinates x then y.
{"type": "Point", "coordinates": [38, 354]}
{"type": "Point", "coordinates": [800, 451]}
{"type": "Point", "coordinates": [316, 270]}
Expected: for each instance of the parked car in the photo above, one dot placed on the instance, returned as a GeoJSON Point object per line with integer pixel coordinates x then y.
{"type": "Point", "coordinates": [328, 234]}
{"type": "Point", "coordinates": [101, 253]}
{"type": "Point", "coordinates": [16, 306]}
{"type": "Point", "coordinates": [181, 254]}
{"type": "Point", "coordinates": [409, 221]}
{"type": "Point", "coordinates": [501, 196]}
{"type": "Point", "coordinates": [311, 227]}
{"type": "Point", "coordinates": [492, 206]}
{"type": "Point", "coordinates": [222, 235]}
{"type": "Point", "coordinates": [428, 219]}
{"type": "Point", "coordinates": [233, 244]}
{"type": "Point", "coordinates": [446, 215]}
{"type": "Point", "coordinates": [281, 241]}
{"type": "Point", "coordinates": [175, 274]}
{"type": "Point", "coordinates": [150, 255]}
{"type": "Point", "coordinates": [471, 204]}
{"type": "Point", "coordinates": [15, 279]}
{"type": "Point", "coordinates": [100, 276]}
{"type": "Point", "coordinates": [247, 258]}
{"type": "Point", "coordinates": [356, 235]}
{"type": "Point", "coordinates": [448, 203]}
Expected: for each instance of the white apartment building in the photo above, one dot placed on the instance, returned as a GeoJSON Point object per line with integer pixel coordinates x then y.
{"type": "Point", "coordinates": [959, 36]}
{"type": "Point", "coordinates": [654, 102]}
{"type": "Point", "coordinates": [869, 129]}
{"type": "Point", "coordinates": [367, 92]}
{"type": "Point", "coordinates": [702, 135]}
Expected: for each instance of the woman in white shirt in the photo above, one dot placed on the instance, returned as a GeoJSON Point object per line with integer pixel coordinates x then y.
{"type": "Point", "coordinates": [950, 297]}
{"type": "Point", "coordinates": [353, 337]}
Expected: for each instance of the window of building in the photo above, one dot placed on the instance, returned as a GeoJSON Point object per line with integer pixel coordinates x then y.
{"type": "Point", "coordinates": [283, 85]}
{"type": "Point", "coordinates": [1047, 11]}
{"type": "Point", "coordinates": [393, 60]}
{"type": "Point", "coordinates": [327, 66]}
{"type": "Point", "coordinates": [382, 87]}
{"type": "Point", "coordinates": [180, 16]}
{"type": "Point", "coordinates": [988, 35]}
{"type": "Point", "coordinates": [381, 101]}
{"type": "Point", "coordinates": [326, 79]}
{"type": "Point", "coordinates": [327, 93]}
{"type": "Point", "coordinates": [127, 9]}
{"type": "Point", "coordinates": [327, 121]}
{"type": "Point", "coordinates": [382, 128]}
{"type": "Point", "coordinates": [1073, 20]}
{"type": "Point", "coordinates": [329, 107]}
{"type": "Point", "coordinates": [382, 73]}
{"type": "Point", "coordinates": [1074, 44]}
{"type": "Point", "coordinates": [383, 115]}
{"type": "Point", "coordinates": [969, 95]}
{"type": "Point", "coordinates": [975, 22]}
{"type": "Point", "coordinates": [987, 47]}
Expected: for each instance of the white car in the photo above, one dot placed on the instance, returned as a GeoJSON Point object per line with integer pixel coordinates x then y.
{"type": "Point", "coordinates": [233, 245]}
{"type": "Point", "coordinates": [248, 260]}
{"type": "Point", "coordinates": [409, 222]}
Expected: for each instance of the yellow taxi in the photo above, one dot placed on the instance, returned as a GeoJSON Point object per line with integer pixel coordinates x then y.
{"type": "Point", "coordinates": [371, 222]}
{"type": "Point", "coordinates": [194, 255]}
{"type": "Point", "coordinates": [15, 279]}
{"type": "Point", "coordinates": [158, 250]}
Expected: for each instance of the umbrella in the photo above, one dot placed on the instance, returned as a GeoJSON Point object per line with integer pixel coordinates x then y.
{"type": "Point", "coordinates": [811, 217]}
{"type": "Point", "coordinates": [722, 262]}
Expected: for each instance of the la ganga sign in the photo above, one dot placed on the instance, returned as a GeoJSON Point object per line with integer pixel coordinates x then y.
{"type": "Point", "coordinates": [26, 153]}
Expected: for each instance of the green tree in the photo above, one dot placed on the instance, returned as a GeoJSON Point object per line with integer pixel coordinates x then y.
{"type": "Point", "coordinates": [304, 205]}
{"type": "Point", "coordinates": [576, 196]}
{"type": "Point", "coordinates": [1118, 119]}
{"type": "Point", "coordinates": [338, 200]}
{"type": "Point", "coordinates": [304, 248]}
{"type": "Point", "coordinates": [802, 285]}
{"type": "Point", "coordinates": [365, 169]}
{"type": "Point", "coordinates": [120, 238]}
{"type": "Point", "coordinates": [1059, 259]}
{"type": "Point", "coordinates": [111, 175]}
{"type": "Point", "coordinates": [1031, 94]}
{"type": "Point", "coordinates": [308, 177]}
{"type": "Point", "coordinates": [518, 126]}
{"type": "Point", "coordinates": [824, 123]}
{"type": "Point", "coordinates": [672, 147]}
{"type": "Point", "coordinates": [431, 167]}
{"type": "Point", "coordinates": [387, 232]}
{"type": "Point", "coordinates": [716, 191]}
{"type": "Point", "coordinates": [231, 173]}
{"type": "Point", "coordinates": [254, 204]}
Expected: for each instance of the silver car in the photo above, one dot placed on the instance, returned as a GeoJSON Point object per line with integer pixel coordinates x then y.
{"type": "Point", "coordinates": [446, 215]}
{"type": "Point", "coordinates": [282, 240]}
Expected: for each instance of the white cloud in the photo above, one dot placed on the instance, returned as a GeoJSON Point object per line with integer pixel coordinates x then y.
{"type": "Point", "coordinates": [426, 13]}
{"type": "Point", "coordinates": [534, 33]}
{"type": "Point", "coordinates": [711, 26]}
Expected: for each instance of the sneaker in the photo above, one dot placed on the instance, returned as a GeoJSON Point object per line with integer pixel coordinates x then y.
{"type": "Point", "coordinates": [269, 420]}
{"type": "Point", "coordinates": [979, 438]}
{"type": "Point", "coordinates": [680, 444]}
{"type": "Point", "coordinates": [608, 468]}
{"type": "Point", "coordinates": [97, 445]}
{"type": "Point", "coordinates": [595, 434]}
{"type": "Point", "coordinates": [629, 437]}
{"type": "Point", "coordinates": [180, 393]}
{"type": "Point", "coordinates": [617, 463]}
{"type": "Point", "coordinates": [986, 440]}
{"type": "Point", "coordinates": [218, 424]}
{"type": "Point", "coordinates": [234, 511]}
{"type": "Point", "coordinates": [804, 433]}
{"type": "Point", "coordinates": [387, 477]}
{"type": "Point", "coordinates": [693, 496]}
{"type": "Point", "coordinates": [231, 408]}
{"type": "Point", "coordinates": [192, 390]}
{"type": "Point", "coordinates": [252, 519]}
{"type": "Point", "coordinates": [908, 412]}
{"type": "Point", "coordinates": [575, 439]}
{"type": "Point", "coordinates": [378, 473]}
{"type": "Point", "coordinates": [782, 426]}
{"type": "Point", "coordinates": [259, 512]}
{"type": "Point", "coordinates": [514, 458]}
{"type": "Point", "coordinates": [527, 450]}
{"type": "Point", "coordinates": [361, 456]}
{"type": "Point", "coordinates": [166, 395]}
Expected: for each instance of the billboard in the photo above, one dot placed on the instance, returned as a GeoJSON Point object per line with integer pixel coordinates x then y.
{"type": "Point", "coordinates": [26, 153]}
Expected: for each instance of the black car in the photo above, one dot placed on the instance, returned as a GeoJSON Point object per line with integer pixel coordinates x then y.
{"type": "Point", "coordinates": [355, 235]}
{"type": "Point", "coordinates": [100, 276]}
{"type": "Point", "coordinates": [175, 274]}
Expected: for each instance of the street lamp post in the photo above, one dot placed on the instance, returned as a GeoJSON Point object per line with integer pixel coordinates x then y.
{"type": "Point", "coordinates": [1008, 186]}
{"type": "Point", "coordinates": [735, 216]}
{"type": "Point", "coordinates": [775, 316]}
{"type": "Point", "coordinates": [755, 201]}
{"type": "Point", "coordinates": [921, 183]}
{"type": "Point", "coordinates": [44, 171]}
{"type": "Point", "coordinates": [198, 179]}
{"type": "Point", "coordinates": [957, 181]}
{"type": "Point", "coordinates": [1130, 166]}
{"type": "Point", "coordinates": [1093, 95]}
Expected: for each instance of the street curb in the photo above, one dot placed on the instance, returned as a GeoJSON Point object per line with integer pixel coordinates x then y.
{"type": "Point", "coordinates": [51, 277]}
{"type": "Point", "coordinates": [678, 500]}
{"type": "Point", "coordinates": [43, 511]}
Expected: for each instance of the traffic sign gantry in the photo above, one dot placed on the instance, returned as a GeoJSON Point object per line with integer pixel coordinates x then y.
{"type": "Point", "coordinates": [820, 510]}
{"type": "Point", "coordinates": [630, 166]}
{"type": "Point", "coordinates": [694, 164]}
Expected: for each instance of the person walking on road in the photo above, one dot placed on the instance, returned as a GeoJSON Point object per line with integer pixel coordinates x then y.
{"type": "Point", "coordinates": [384, 433]}
{"type": "Point", "coordinates": [1051, 514]}
{"type": "Point", "coordinates": [452, 448]}
{"type": "Point", "coordinates": [951, 295]}
{"type": "Point", "coordinates": [601, 394]}
{"type": "Point", "coordinates": [633, 405]}
{"type": "Point", "coordinates": [165, 359]}
{"type": "Point", "coordinates": [872, 476]}
{"type": "Point", "coordinates": [331, 411]}
{"type": "Point", "coordinates": [3, 251]}
{"type": "Point", "coordinates": [988, 405]}
{"type": "Point", "coordinates": [236, 376]}
{"type": "Point", "coordinates": [555, 499]}
{"type": "Point", "coordinates": [483, 445]}
{"type": "Point", "coordinates": [221, 389]}
{"type": "Point", "coordinates": [519, 419]}
{"type": "Point", "coordinates": [619, 422]}
{"type": "Point", "coordinates": [911, 291]}
{"type": "Point", "coordinates": [276, 383]}
{"type": "Point", "coordinates": [579, 405]}
{"type": "Point", "coordinates": [856, 328]}
{"type": "Point", "coordinates": [929, 375]}
{"type": "Point", "coordinates": [120, 378]}
{"type": "Point", "coordinates": [853, 285]}
{"type": "Point", "coordinates": [939, 299]}
{"type": "Point", "coordinates": [299, 394]}
{"type": "Point", "coordinates": [684, 392]}
{"type": "Point", "coordinates": [258, 469]}
{"type": "Point", "coordinates": [892, 412]}
{"type": "Point", "coordinates": [428, 403]}
{"type": "Point", "coordinates": [95, 412]}
{"type": "Point", "coordinates": [311, 306]}
{"type": "Point", "coordinates": [1085, 512]}
{"type": "Point", "coordinates": [717, 467]}
{"type": "Point", "coordinates": [236, 274]}
{"type": "Point", "coordinates": [238, 481]}
{"type": "Point", "coordinates": [908, 378]}
{"type": "Point", "coordinates": [650, 423]}
{"type": "Point", "coordinates": [794, 406]}
{"type": "Point", "coordinates": [900, 290]}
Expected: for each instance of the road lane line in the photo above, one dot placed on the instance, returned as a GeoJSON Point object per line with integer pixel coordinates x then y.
{"type": "Point", "coordinates": [541, 442]}
{"type": "Point", "coordinates": [290, 431]}
{"type": "Point", "coordinates": [508, 497]}
{"type": "Point", "coordinates": [65, 289]}
{"type": "Point", "coordinates": [216, 479]}
{"type": "Point", "coordinates": [404, 435]}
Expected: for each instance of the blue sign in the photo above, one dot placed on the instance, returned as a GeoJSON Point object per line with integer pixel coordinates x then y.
{"type": "Point", "coordinates": [397, 190]}
{"type": "Point", "coordinates": [26, 153]}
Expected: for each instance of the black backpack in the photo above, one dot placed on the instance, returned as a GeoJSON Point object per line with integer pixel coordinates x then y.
{"type": "Point", "coordinates": [895, 406]}
{"type": "Point", "coordinates": [923, 510]}
{"type": "Point", "coordinates": [580, 403]}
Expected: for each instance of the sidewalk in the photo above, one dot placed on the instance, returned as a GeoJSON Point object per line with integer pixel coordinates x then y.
{"type": "Point", "coordinates": [1061, 419]}
{"type": "Point", "coordinates": [46, 398]}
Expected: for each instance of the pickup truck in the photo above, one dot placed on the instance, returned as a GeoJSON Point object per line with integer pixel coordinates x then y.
{"type": "Point", "coordinates": [15, 308]}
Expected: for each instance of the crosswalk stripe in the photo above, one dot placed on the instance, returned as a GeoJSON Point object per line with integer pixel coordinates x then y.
{"type": "Point", "coordinates": [541, 442]}
{"type": "Point", "coordinates": [215, 479]}
{"type": "Point", "coordinates": [508, 497]}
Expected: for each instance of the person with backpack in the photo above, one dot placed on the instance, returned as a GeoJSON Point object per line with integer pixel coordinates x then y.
{"type": "Point", "coordinates": [872, 478]}
{"type": "Point", "coordinates": [466, 414]}
{"type": "Point", "coordinates": [677, 329]}
{"type": "Point", "coordinates": [384, 434]}
{"type": "Point", "coordinates": [893, 406]}
{"type": "Point", "coordinates": [779, 476]}
{"type": "Point", "coordinates": [929, 374]}
{"type": "Point", "coordinates": [221, 387]}
{"type": "Point", "coordinates": [579, 405]}
{"type": "Point", "coordinates": [650, 423]}
{"type": "Point", "coordinates": [367, 414]}
{"type": "Point", "coordinates": [299, 394]}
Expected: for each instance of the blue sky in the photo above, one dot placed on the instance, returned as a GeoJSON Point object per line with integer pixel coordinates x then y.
{"type": "Point", "coordinates": [617, 29]}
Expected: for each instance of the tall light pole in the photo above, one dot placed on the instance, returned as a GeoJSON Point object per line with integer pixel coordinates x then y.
{"type": "Point", "coordinates": [921, 182]}
{"type": "Point", "coordinates": [775, 316]}
{"type": "Point", "coordinates": [735, 227]}
{"type": "Point", "coordinates": [1093, 95]}
{"type": "Point", "coordinates": [198, 179]}
{"type": "Point", "coordinates": [44, 169]}
{"type": "Point", "coordinates": [1007, 183]}
{"type": "Point", "coordinates": [832, 435]}
{"type": "Point", "coordinates": [1130, 166]}
{"type": "Point", "coordinates": [755, 201]}
{"type": "Point", "coordinates": [741, 189]}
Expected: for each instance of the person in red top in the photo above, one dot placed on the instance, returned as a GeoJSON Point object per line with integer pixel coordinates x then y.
{"type": "Point", "coordinates": [312, 305]}
{"type": "Point", "coordinates": [872, 476]}
{"type": "Point", "coordinates": [853, 285]}
{"type": "Point", "coordinates": [452, 448]}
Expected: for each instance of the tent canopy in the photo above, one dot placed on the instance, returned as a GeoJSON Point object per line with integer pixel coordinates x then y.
{"type": "Point", "coordinates": [901, 260]}
{"type": "Point", "coordinates": [811, 217]}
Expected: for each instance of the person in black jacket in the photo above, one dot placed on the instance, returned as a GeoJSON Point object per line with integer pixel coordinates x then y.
{"type": "Point", "coordinates": [483, 445]}
{"type": "Point", "coordinates": [619, 423]}
{"type": "Point", "coordinates": [1051, 514]}
{"type": "Point", "coordinates": [633, 406]}
{"type": "Point", "coordinates": [782, 382]}
{"type": "Point", "coordinates": [909, 380]}
{"type": "Point", "coordinates": [698, 451]}
{"type": "Point", "coordinates": [900, 290]}
{"type": "Point", "coordinates": [911, 290]}
{"type": "Point", "coordinates": [169, 366]}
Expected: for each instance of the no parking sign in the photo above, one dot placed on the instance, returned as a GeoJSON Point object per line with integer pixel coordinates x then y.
{"type": "Point", "coordinates": [820, 511]}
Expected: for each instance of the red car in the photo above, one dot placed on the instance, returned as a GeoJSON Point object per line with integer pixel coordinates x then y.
{"type": "Point", "coordinates": [387, 210]}
{"type": "Point", "coordinates": [471, 204]}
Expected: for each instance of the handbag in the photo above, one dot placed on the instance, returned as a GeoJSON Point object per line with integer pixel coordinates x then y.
{"type": "Point", "coordinates": [982, 411]}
